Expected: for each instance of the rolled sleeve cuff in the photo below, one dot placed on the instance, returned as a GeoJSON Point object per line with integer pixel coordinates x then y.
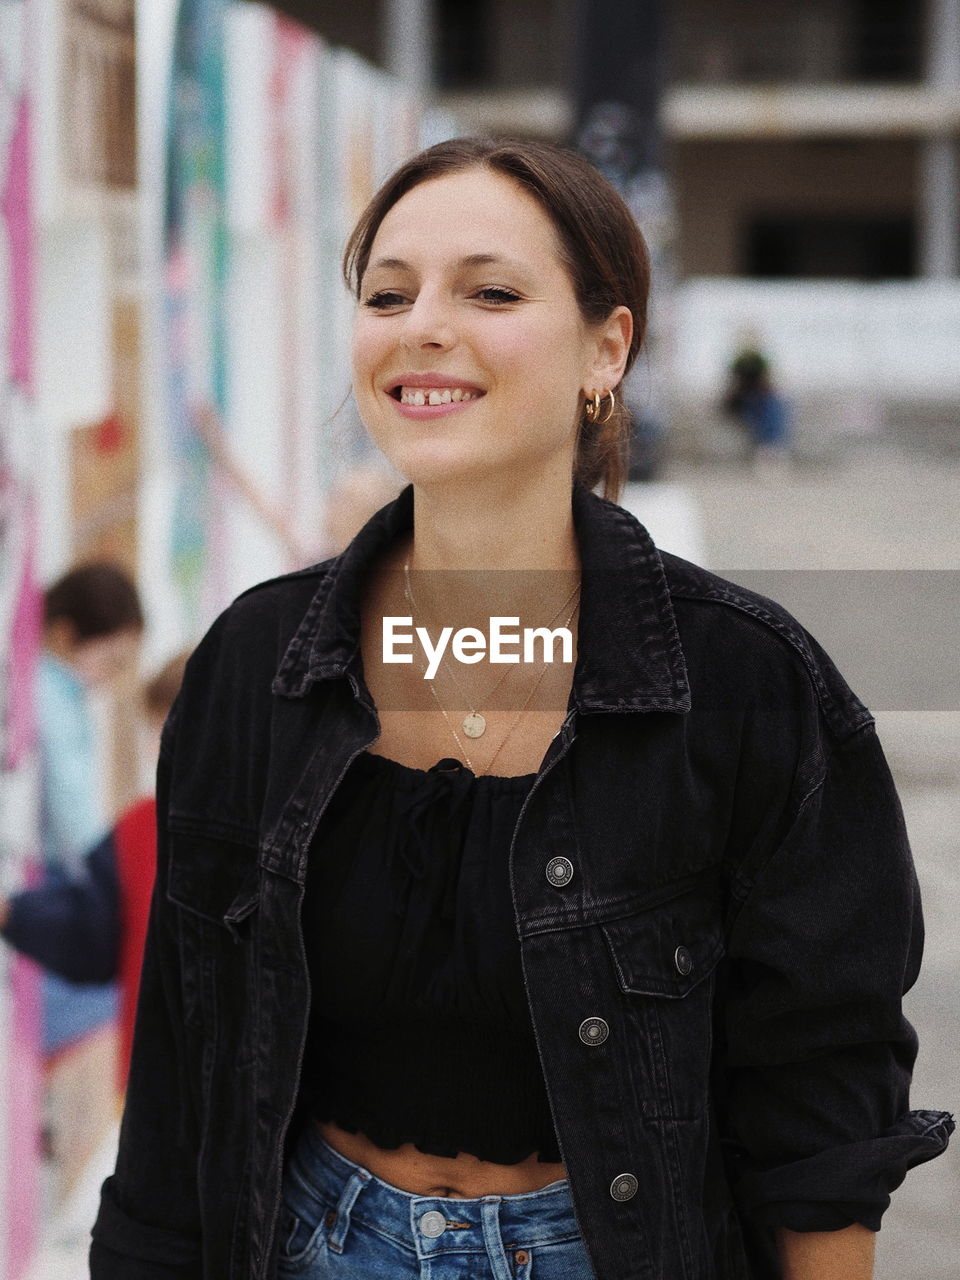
{"type": "Point", "coordinates": [125, 1248]}
{"type": "Point", "coordinates": [847, 1184]}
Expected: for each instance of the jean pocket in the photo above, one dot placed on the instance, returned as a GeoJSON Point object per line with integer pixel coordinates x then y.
{"type": "Point", "coordinates": [303, 1235]}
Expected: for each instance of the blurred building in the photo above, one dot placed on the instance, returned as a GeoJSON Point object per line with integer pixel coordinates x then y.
{"type": "Point", "coordinates": [812, 152]}
{"type": "Point", "coordinates": [816, 140]}
{"type": "Point", "coordinates": [804, 140]}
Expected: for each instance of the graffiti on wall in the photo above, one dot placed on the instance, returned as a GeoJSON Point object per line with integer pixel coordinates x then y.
{"type": "Point", "coordinates": [19, 629]}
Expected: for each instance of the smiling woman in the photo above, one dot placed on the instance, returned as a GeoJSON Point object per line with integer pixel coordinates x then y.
{"type": "Point", "coordinates": [530, 969]}
{"type": "Point", "coordinates": [542, 310]}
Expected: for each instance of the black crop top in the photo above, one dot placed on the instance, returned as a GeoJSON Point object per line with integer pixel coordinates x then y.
{"type": "Point", "coordinates": [419, 1027]}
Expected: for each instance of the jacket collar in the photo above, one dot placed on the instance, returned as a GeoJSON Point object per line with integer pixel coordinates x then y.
{"type": "Point", "coordinates": [628, 658]}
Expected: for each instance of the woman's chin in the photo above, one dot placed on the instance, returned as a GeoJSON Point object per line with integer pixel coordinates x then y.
{"type": "Point", "coordinates": [433, 466]}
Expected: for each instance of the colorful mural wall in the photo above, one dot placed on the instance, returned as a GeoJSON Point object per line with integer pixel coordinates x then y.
{"type": "Point", "coordinates": [195, 265]}
{"type": "Point", "coordinates": [276, 142]}
{"type": "Point", "coordinates": [173, 362]}
{"type": "Point", "coordinates": [19, 616]}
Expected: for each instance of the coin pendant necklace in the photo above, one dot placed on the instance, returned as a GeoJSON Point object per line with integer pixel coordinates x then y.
{"type": "Point", "coordinates": [516, 720]}
{"type": "Point", "coordinates": [474, 724]}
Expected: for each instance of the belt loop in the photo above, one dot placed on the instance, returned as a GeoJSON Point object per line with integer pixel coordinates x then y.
{"type": "Point", "coordinates": [355, 1184]}
{"type": "Point", "coordinates": [490, 1218]}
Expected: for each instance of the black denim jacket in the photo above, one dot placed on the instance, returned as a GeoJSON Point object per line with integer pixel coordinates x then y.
{"type": "Point", "coordinates": [740, 909]}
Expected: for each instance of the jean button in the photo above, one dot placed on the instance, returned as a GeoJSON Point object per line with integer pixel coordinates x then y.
{"type": "Point", "coordinates": [593, 1031]}
{"type": "Point", "coordinates": [559, 872]}
{"type": "Point", "coordinates": [623, 1187]}
{"type": "Point", "coordinates": [433, 1224]}
{"type": "Point", "coordinates": [683, 961]}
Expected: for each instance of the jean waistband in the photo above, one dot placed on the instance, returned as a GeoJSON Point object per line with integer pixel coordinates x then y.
{"type": "Point", "coordinates": [432, 1224]}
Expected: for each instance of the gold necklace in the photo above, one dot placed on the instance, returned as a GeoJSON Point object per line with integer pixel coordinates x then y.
{"type": "Point", "coordinates": [474, 724]}
{"type": "Point", "coordinates": [516, 720]}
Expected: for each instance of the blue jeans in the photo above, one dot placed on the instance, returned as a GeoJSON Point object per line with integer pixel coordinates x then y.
{"type": "Point", "coordinates": [340, 1221]}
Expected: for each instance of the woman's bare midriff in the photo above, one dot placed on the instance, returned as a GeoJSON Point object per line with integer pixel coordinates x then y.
{"type": "Point", "coordinates": [461, 1177]}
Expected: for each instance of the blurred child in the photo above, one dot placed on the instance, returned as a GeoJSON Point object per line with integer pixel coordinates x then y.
{"type": "Point", "coordinates": [90, 927]}
{"type": "Point", "coordinates": [92, 625]}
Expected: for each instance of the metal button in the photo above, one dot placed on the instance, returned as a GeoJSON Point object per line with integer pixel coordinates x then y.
{"type": "Point", "coordinates": [559, 871]}
{"type": "Point", "coordinates": [593, 1031]}
{"type": "Point", "coordinates": [623, 1187]}
{"type": "Point", "coordinates": [683, 960]}
{"type": "Point", "coordinates": [521, 1257]}
{"type": "Point", "coordinates": [433, 1224]}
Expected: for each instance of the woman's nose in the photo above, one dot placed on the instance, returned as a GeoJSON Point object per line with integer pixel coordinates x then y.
{"type": "Point", "coordinates": [429, 322]}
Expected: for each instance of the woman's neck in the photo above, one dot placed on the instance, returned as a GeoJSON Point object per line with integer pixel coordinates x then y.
{"type": "Point", "coordinates": [478, 527]}
{"type": "Point", "coordinates": [479, 552]}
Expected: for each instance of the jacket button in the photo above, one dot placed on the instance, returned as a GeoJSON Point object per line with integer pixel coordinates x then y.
{"type": "Point", "coordinates": [683, 960]}
{"type": "Point", "coordinates": [559, 871]}
{"type": "Point", "coordinates": [623, 1187]}
{"type": "Point", "coordinates": [593, 1031]}
{"type": "Point", "coordinates": [433, 1224]}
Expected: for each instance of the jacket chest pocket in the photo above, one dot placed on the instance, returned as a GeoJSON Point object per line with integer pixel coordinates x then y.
{"type": "Point", "coordinates": [665, 960]}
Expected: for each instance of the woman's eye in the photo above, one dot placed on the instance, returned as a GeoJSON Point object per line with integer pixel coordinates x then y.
{"type": "Point", "coordinates": [496, 293]}
{"type": "Point", "coordinates": [385, 298]}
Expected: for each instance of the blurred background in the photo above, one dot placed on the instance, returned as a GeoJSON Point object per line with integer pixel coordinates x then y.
{"type": "Point", "coordinates": [176, 184]}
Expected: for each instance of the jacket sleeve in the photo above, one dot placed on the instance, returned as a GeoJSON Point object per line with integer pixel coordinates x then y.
{"type": "Point", "coordinates": [825, 937]}
{"type": "Point", "coordinates": [148, 1226]}
{"type": "Point", "coordinates": [71, 925]}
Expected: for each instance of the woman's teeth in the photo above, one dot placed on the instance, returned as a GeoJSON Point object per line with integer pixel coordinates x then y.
{"type": "Point", "coordinates": [437, 395]}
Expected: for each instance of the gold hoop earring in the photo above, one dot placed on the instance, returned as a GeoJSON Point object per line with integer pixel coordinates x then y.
{"type": "Point", "coordinates": [592, 408]}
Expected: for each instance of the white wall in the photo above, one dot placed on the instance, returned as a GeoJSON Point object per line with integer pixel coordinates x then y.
{"type": "Point", "coordinates": [167, 630]}
{"type": "Point", "coordinates": [896, 340]}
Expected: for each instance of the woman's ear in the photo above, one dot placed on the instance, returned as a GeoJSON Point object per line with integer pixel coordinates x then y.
{"type": "Point", "coordinates": [612, 349]}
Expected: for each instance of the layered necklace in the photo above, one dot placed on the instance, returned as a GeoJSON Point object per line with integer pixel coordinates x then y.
{"type": "Point", "coordinates": [474, 723]}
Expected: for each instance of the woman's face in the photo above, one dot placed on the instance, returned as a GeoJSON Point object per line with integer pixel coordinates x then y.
{"type": "Point", "coordinates": [469, 350]}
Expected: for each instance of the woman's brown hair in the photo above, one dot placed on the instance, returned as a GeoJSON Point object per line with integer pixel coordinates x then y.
{"type": "Point", "coordinates": [601, 243]}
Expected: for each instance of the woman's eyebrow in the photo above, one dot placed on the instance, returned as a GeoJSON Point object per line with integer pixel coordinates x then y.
{"type": "Point", "coordinates": [471, 260]}
{"type": "Point", "coordinates": [389, 264]}
{"type": "Point", "coordinates": [486, 260]}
